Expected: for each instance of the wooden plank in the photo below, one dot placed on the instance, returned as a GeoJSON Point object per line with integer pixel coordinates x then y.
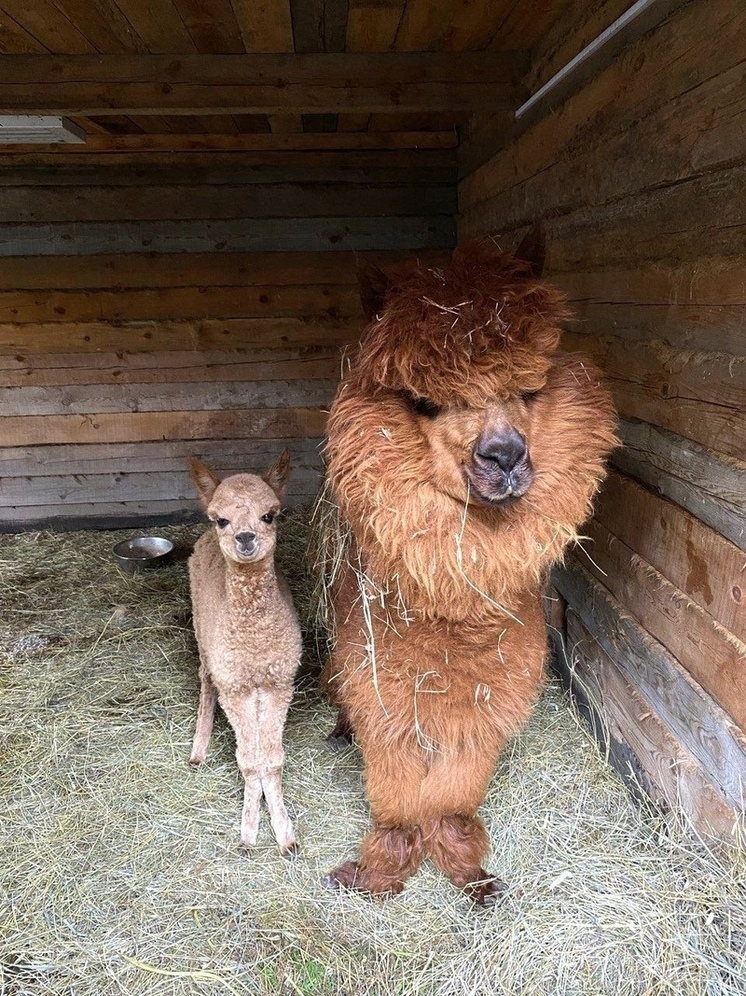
{"type": "Point", "coordinates": [708, 568]}
{"type": "Point", "coordinates": [66, 369]}
{"type": "Point", "coordinates": [244, 142]}
{"type": "Point", "coordinates": [252, 423]}
{"type": "Point", "coordinates": [372, 27]}
{"type": "Point", "coordinates": [702, 728]}
{"type": "Point", "coordinates": [225, 456]}
{"type": "Point", "coordinates": [668, 222]}
{"type": "Point", "coordinates": [16, 39]}
{"type": "Point", "coordinates": [234, 84]}
{"type": "Point", "coordinates": [640, 745]}
{"type": "Point", "coordinates": [709, 652]}
{"type": "Point", "coordinates": [230, 235]}
{"type": "Point", "coordinates": [139, 515]}
{"type": "Point", "coordinates": [353, 165]}
{"type": "Point", "coordinates": [711, 488]}
{"type": "Point", "coordinates": [120, 487]}
{"type": "Point", "coordinates": [103, 24]}
{"type": "Point", "coordinates": [33, 205]}
{"type": "Point", "coordinates": [159, 25]}
{"type": "Point", "coordinates": [156, 303]}
{"type": "Point", "coordinates": [265, 25]}
{"type": "Point", "coordinates": [164, 397]}
{"type": "Point", "coordinates": [141, 270]}
{"type": "Point", "coordinates": [712, 425]}
{"type": "Point", "coordinates": [18, 342]}
{"type": "Point", "coordinates": [212, 27]}
{"type": "Point", "coordinates": [671, 373]}
{"type": "Point", "coordinates": [45, 22]}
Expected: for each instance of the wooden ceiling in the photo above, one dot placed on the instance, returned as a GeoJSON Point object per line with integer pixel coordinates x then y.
{"type": "Point", "coordinates": [118, 86]}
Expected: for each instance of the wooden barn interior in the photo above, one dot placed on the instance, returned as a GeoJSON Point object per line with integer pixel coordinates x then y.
{"type": "Point", "coordinates": [178, 274]}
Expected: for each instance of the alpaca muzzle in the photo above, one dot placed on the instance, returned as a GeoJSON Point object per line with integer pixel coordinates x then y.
{"type": "Point", "coordinates": [246, 544]}
{"type": "Point", "coordinates": [501, 467]}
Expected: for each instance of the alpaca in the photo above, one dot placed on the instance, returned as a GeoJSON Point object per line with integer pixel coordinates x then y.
{"type": "Point", "coordinates": [463, 453]}
{"type": "Point", "coordinates": [248, 635]}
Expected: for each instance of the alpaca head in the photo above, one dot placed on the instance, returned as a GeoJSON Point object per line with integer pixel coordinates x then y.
{"type": "Point", "coordinates": [243, 508]}
{"type": "Point", "coordinates": [465, 352]}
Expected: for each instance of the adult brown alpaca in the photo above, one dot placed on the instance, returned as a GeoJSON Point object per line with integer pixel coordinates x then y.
{"type": "Point", "coordinates": [463, 452]}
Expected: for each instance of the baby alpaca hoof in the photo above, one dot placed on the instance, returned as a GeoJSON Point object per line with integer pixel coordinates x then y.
{"type": "Point", "coordinates": [487, 892]}
{"type": "Point", "coordinates": [290, 851]}
{"type": "Point", "coordinates": [194, 762]}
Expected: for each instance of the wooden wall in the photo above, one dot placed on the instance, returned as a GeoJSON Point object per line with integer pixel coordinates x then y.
{"type": "Point", "coordinates": [639, 176]}
{"type": "Point", "coordinates": [152, 312]}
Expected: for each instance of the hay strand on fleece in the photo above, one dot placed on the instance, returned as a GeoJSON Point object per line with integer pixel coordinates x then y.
{"type": "Point", "coordinates": [119, 866]}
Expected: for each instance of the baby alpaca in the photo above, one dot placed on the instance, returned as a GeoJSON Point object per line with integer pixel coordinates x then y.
{"type": "Point", "coordinates": [248, 634]}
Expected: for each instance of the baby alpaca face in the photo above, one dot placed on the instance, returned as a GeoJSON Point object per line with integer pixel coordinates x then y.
{"type": "Point", "coordinates": [243, 509]}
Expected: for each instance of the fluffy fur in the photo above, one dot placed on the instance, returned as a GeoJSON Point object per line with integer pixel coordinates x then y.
{"type": "Point", "coordinates": [248, 635]}
{"type": "Point", "coordinates": [463, 452]}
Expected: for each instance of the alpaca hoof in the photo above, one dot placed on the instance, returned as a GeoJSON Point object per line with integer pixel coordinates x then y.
{"type": "Point", "coordinates": [487, 892]}
{"type": "Point", "coordinates": [194, 762]}
{"type": "Point", "coordinates": [343, 877]}
{"type": "Point", "coordinates": [291, 851]}
{"type": "Point", "coordinates": [338, 743]}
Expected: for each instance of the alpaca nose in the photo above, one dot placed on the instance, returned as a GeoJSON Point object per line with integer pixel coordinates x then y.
{"type": "Point", "coordinates": [245, 540]}
{"type": "Point", "coordinates": [506, 448]}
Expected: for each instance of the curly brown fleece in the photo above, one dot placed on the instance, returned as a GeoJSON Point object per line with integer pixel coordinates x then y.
{"type": "Point", "coordinates": [440, 647]}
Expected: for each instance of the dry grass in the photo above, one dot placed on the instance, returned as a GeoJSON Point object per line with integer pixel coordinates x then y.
{"type": "Point", "coordinates": [119, 867]}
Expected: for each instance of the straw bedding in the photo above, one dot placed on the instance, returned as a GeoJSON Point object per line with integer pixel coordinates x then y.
{"type": "Point", "coordinates": [119, 866]}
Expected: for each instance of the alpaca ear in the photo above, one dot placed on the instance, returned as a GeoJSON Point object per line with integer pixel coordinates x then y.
{"type": "Point", "coordinates": [374, 285]}
{"type": "Point", "coordinates": [205, 482]}
{"type": "Point", "coordinates": [533, 248]}
{"type": "Point", "coordinates": [278, 474]}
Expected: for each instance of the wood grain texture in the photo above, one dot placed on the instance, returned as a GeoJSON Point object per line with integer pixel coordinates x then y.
{"type": "Point", "coordinates": [640, 745]}
{"type": "Point", "coordinates": [710, 487]}
{"type": "Point", "coordinates": [702, 728]}
{"type": "Point", "coordinates": [708, 651]}
{"type": "Point", "coordinates": [321, 234]}
{"type": "Point", "coordinates": [311, 83]}
{"type": "Point", "coordinates": [268, 423]}
{"type": "Point", "coordinates": [708, 568]}
{"type": "Point", "coordinates": [19, 342]}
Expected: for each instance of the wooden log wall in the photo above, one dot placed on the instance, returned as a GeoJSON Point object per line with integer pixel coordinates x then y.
{"type": "Point", "coordinates": [639, 177]}
{"type": "Point", "coordinates": [148, 313]}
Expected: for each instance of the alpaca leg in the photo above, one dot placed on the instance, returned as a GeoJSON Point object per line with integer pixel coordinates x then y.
{"type": "Point", "coordinates": [388, 856]}
{"type": "Point", "coordinates": [273, 707]}
{"type": "Point", "coordinates": [243, 713]}
{"type": "Point", "coordinates": [395, 849]}
{"type": "Point", "coordinates": [208, 697]}
{"type": "Point", "coordinates": [341, 736]}
{"type": "Point", "coordinates": [458, 845]}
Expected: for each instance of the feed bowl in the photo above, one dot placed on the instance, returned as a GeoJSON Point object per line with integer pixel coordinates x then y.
{"type": "Point", "coordinates": [142, 551]}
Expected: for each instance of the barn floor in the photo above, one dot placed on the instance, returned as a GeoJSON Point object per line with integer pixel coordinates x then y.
{"type": "Point", "coordinates": [119, 870]}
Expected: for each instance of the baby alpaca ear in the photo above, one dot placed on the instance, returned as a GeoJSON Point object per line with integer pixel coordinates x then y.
{"type": "Point", "coordinates": [277, 475]}
{"type": "Point", "coordinates": [533, 248]}
{"type": "Point", "coordinates": [205, 482]}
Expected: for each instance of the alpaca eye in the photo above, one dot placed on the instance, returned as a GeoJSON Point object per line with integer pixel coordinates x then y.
{"type": "Point", "coordinates": [222, 523]}
{"type": "Point", "coordinates": [422, 406]}
{"type": "Point", "coordinates": [528, 396]}
{"type": "Point", "coordinates": [268, 517]}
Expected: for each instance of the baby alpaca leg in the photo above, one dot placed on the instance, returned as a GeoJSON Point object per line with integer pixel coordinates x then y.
{"type": "Point", "coordinates": [243, 713]}
{"type": "Point", "coordinates": [208, 697]}
{"type": "Point", "coordinates": [273, 707]}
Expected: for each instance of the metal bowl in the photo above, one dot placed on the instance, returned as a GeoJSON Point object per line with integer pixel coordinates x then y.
{"type": "Point", "coordinates": [142, 551]}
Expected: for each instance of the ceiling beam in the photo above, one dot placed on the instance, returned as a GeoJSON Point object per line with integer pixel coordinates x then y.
{"type": "Point", "coordinates": [256, 142]}
{"type": "Point", "coordinates": [262, 84]}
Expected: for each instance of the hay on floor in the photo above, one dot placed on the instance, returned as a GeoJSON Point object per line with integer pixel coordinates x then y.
{"type": "Point", "coordinates": [119, 866]}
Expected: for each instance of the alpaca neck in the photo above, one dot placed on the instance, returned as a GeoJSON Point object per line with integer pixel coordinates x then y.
{"type": "Point", "coordinates": [250, 583]}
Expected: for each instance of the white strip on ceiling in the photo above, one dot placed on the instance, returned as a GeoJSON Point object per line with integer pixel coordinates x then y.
{"type": "Point", "coordinates": [23, 128]}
